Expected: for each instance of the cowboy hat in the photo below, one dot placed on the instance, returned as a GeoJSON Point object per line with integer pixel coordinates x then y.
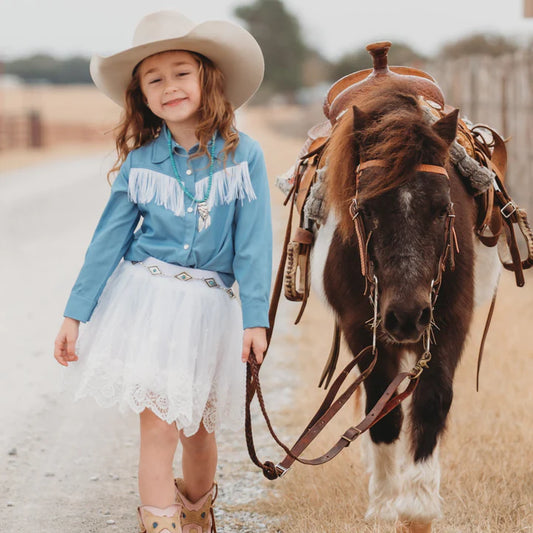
{"type": "Point", "coordinates": [231, 48]}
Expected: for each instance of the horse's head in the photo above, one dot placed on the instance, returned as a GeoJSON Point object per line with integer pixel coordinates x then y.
{"type": "Point", "coordinates": [402, 196]}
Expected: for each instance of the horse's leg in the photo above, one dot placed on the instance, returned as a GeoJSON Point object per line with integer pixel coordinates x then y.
{"type": "Point", "coordinates": [418, 503]}
{"type": "Point", "coordinates": [381, 446]}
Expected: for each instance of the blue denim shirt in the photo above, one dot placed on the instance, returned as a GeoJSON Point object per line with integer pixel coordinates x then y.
{"type": "Point", "coordinates": [237, 244]}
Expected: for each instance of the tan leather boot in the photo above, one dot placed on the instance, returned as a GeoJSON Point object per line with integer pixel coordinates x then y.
{"type": "Point", "coordinates": [155, 520]}
{"type": "Point", "coordinates": [197, 517]}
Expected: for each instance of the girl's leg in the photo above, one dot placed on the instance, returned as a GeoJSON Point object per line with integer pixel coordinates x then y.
{"type": "Point", "coordinates": [199, 462]}
{"type": "Point", "coordinates": [158, 446]}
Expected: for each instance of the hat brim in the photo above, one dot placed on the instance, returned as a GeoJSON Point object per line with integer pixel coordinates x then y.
{"type": "Point", "coordinates": [231, 48]}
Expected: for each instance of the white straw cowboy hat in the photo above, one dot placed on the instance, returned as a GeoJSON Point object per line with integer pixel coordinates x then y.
{"type": "Point", "coordinates": [231, 48]}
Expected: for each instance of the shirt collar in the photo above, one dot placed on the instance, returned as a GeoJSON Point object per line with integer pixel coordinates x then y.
{"type": "Point", "coordinates": [160, 151]}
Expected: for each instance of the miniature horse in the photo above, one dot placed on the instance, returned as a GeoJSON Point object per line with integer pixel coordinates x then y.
{"type": "Point", "coordinates": [404, 210]}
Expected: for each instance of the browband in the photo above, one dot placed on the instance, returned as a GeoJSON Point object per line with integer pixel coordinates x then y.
{"type": "Point", "coordinates": [435, 169]}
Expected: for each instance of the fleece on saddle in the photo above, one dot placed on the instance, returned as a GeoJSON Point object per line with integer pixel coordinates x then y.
{"type": "Point", "coordinates": [477, 178]}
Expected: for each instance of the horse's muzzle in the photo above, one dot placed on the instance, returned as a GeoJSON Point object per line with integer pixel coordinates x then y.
{"type": "Point", "coordinates": [406, 325]}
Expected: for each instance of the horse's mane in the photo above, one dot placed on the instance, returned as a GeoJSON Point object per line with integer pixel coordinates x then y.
{"type": "Point", "coordinates": [393, 129]}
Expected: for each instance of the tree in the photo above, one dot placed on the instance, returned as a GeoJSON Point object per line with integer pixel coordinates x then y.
{"type": "Point", "coordinates": [278, 33]}
{"type": "Point", "coordinates": [486, 44]}
{"type": "Point", "coordinates": [44, 68]}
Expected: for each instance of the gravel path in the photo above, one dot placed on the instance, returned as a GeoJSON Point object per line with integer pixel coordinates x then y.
{"type": "Point", "coordinates": [71, 467]}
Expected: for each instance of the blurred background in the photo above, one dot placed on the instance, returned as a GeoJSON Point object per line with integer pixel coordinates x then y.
{"type": "Point", "coordinates": [479, 52]}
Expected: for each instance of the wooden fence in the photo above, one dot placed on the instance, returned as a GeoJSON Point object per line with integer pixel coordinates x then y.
{"type": "Point", "coordinates": [497, 92]}
{"type": "Point", "coordinates": [30, 130]}
{"type": "Point", "coordinates": [21, 131]}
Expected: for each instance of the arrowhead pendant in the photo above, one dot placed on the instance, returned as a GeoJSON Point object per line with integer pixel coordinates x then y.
{"type": "Point", "coordinates": [204, 220]}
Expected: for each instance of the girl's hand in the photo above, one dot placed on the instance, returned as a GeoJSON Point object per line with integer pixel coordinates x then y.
{"type": "Point", "coordinates": [65, 345]}
{"type": "Point", "coordinates": [254, 339]}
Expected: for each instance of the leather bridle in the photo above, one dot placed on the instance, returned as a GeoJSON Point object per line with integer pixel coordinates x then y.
{"type": "Point", "coordinates": [363, 240]}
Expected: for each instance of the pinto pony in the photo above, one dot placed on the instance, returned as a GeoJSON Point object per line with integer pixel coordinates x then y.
{"type": "Point", "coordinates": [387, 155]}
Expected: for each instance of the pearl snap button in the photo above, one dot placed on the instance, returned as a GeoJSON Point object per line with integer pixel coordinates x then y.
{"type": "Point", "coordinates": [188, 172]}
{"type": "Point", "coordinates": [186, 246]}
{"type": "Point", "coordinates": [189, 209]}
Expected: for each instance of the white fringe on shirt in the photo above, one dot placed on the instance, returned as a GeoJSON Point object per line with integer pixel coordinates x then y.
{"type": "Point", "coordinates": [229, 184]}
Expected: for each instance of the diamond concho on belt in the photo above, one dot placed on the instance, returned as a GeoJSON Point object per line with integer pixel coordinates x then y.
{"type": "Point", "coordinates": [185, 276]}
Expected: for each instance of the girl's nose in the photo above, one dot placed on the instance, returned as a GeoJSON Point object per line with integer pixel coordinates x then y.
{"type": "Point", "coordinates": [170, 88]}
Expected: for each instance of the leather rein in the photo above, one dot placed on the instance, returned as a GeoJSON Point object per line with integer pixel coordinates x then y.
{"type": "Point", "coordinates": [335, 399]}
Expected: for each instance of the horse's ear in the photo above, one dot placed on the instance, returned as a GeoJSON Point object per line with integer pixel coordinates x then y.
{"type": "Point", "coordinates": [446, 127]}
{"type": "Point", "coordinates": [360, 119]}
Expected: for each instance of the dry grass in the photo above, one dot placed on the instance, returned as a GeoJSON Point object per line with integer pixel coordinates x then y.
{"type": "Point", "coordinates": [75, 104]}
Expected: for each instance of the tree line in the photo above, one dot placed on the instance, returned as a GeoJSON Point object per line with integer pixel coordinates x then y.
{"type": "Point", "coordinates": [290, 62]}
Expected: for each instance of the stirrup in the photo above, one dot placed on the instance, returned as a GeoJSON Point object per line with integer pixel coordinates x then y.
{"type": "Point", "coordinates": [152, 523]}
{"type": "Point", "coordinates": [197, 517]}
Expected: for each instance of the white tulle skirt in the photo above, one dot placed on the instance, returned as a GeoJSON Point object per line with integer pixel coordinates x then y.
{"type": "Point", "coordinates": [165, 344]}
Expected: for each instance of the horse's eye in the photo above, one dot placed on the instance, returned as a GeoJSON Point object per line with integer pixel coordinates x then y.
{"type": "Point", "coordinates": [441, 213]}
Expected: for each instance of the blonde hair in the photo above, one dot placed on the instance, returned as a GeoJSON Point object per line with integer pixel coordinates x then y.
{"type": "Point", "coordinates": [139, 125]}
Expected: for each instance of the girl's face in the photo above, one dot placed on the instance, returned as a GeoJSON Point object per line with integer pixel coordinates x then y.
{"type": "Point", "coordinates": [170, 83]}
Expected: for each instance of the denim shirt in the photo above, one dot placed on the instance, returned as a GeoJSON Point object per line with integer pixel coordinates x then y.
{"type": "Point", "coordinates": [237, 244]}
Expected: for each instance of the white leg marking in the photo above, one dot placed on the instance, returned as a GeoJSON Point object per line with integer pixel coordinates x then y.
{"type": "Point", "coordinates": [384, 483]}
{"type": "Point", "coordinates": [486, 273]}
{"type": "Point", "coordinates": [319, 254]}
{"type": "Point", "coordinates": [384, 464]}
{"type": "Point", "coordinates": [419, 497]}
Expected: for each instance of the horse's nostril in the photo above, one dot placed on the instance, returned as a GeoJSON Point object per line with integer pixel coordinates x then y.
{"type": "Point", "coordinates": [391, 321]}
{"type": "Point", "coordinates": [425, 317]}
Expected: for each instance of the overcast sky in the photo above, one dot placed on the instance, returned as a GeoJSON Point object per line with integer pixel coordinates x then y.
{"type": "Point", "coordinates": [69, 27]}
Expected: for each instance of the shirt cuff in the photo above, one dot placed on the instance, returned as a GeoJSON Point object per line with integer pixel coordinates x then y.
{"type": "Point", "coordinates": [255, 315]}
{"type": "Point", "coordinates": [79, 308]}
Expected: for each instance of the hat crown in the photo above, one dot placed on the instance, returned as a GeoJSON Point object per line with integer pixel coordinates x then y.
{"type": "Point", "coordinates": [160, 26]}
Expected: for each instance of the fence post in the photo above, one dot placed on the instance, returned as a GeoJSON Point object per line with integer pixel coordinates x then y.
{"type": "Point", "coordinates": [36, 130]}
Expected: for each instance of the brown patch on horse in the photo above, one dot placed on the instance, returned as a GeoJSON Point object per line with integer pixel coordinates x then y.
{"type": "Point", "coordinates": [388, 124]}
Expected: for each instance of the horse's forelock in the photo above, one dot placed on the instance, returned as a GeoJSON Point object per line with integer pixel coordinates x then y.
{"type": "Point", "coordinates": [397, 133]}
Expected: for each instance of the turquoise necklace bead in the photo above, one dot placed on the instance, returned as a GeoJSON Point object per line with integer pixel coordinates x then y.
{"type": "Point", "coordinates": [178, 177]}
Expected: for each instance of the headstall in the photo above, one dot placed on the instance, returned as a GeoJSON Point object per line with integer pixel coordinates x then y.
{"type": "Point", "coordinates": [450, 247]}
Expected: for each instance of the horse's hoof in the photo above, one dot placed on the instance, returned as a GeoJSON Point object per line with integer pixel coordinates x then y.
{"type": "Point", "coordinates": [407, 526]}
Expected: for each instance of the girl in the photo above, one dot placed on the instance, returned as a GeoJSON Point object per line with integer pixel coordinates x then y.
{"type": "Point", "coordinates": [165, 331]}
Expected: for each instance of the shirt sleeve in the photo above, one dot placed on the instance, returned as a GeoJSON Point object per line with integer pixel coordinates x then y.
{"type": "Point", "coordinates": [252, 263]}
{"type": "Point", "coordinates": [111, 239]}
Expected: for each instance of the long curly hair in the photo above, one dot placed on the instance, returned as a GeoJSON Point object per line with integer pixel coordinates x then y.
{"type": "Point", "coordinates": [139, 125]}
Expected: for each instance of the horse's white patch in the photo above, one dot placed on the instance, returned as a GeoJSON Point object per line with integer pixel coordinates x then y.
{"type": "Point", "coordinates": [406, 198]}
{"type": "Point", "coordinates": [385, 462]}
{"type": "Point", "coordinates": [319, 254]}
{"type": "Point", "coordinates": [486, 272]}
{"type": "Point", "coordinates": [384, 482]}
{"type": "Point", "coordinates": [419, 497]}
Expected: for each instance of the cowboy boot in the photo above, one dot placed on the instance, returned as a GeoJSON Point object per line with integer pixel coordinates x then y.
{"type": "Point", "coordinates": [155, 520]}
{"type": "Point", "coordinates": [197, 517]}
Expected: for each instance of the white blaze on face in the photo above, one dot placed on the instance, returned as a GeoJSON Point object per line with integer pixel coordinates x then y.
{"type": "Point", "coordinates": [406, 198]}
